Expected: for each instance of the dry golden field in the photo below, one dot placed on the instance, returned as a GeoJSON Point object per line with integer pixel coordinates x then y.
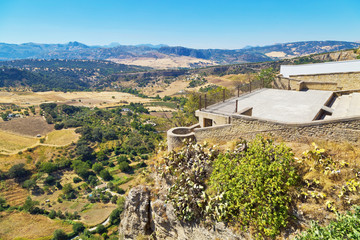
{"type": "Point", "coordinates": [229, 81]}
{"type": "Point", "coordinates": [61, 137]}
{"type": "Point", "coordinates": [12, 143]}
{"type": "Point", "coordinates": [166, 90]}
{"type": "Point", "coordinates": [165, 62]}
{"type": "Point", "coordinates": [14, 194]}
{"type": "Point", "coordinates": [21, 225]}
{"type": "Point", "coordinates": [88, 99]}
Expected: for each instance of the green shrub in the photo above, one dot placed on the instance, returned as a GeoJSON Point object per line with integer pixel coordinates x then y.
{"type": "Point", "coordinates": [104, 174]}
{"type": "Point", "coordinates": [76, 180]}
{"type": "Point", "coordinates": [255, 185]}
{"type": "Point", "coordinates": [125, 167]}
{"type": "Point", "coordinates": [59, 234]}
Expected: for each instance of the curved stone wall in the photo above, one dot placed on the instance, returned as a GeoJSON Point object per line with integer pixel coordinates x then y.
{"type": "Point", "coordinates": [177, 135]}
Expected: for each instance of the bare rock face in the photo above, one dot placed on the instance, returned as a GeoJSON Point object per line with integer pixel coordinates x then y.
{"type": "Point", "coordinates": [157, 220]}
{"type": "Point", "coordinates": [136, 218]}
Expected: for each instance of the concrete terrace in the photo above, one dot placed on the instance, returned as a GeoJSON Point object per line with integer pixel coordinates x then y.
{"type": "Point", "coordinates": [345, 106]}
{"type": "Point", "coordinates": [277, 105]}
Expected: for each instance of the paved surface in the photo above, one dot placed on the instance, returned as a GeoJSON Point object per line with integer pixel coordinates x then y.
{"type": "Point", "coordinates": [279, 105]}
{"type": "Point", "coordinates": [346, 106]}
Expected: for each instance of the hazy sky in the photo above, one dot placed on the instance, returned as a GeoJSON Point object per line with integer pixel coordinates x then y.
{"type": "Point", "coordinates": [192, 23]}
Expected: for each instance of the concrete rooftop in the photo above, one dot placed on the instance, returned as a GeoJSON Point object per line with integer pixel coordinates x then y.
{"type": "Point", "coordinates": [278, 105]}
{"type": "Point", "coordinates": [320, 68]}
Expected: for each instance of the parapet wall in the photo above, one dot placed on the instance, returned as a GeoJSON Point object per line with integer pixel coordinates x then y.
{"type": "Point", "coordinates": [176, 136]}
{"type": "Point", "coordinates": [248, 127]}
{"type": "Point", "coordinates": [345, 81]}
{"type": "Point", "coordinates": [300, 84]}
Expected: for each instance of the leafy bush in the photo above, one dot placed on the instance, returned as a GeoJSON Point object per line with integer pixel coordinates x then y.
{"type": "Point", "coordinates": [97, 167]}
{"type": "Point", "coordinates": [59, 234]}
{"type": "Point", "coordinates": [100, 229]}
{"type": "Point", "coordinates": [3, 204]}
{"type": "Point", "coordinates": [104, 174]}
{"type": "Point", "coordinates": [124, 167]}
{"type": "Point", "coordinates": [18, 171]}
{"type": "Point", "coordinates": [346, 226]}
{"type": "Point", "coordinates": [255, 185]}
{"type": "Point", "coordinates": [76, 179]}
{"type": "Point", "coordinates": [78, 227]}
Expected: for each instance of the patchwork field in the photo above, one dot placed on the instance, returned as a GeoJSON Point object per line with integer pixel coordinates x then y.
{"type": "Point", "coordinates": [21, 225]}
{"type": "Point", "coordinates": [12, 143]}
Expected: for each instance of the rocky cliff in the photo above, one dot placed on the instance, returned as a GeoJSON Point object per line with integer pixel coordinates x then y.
{"type": "Point", "coordinates": [147, 215]}
{"type": "Point", "coordinates": [337, 56]}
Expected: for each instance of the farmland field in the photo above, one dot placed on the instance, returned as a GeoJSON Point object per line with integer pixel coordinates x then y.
{"type": "Point", "coordinates": [88, 99]}
{"type": "Point", "coordinates": [61, 137]}
{"type": "Point", "coordinates": [26, 226]}
{"type": "Point", "coordinates": [29, 126]}
{"type": "Point", "coordinates": [10, 143]}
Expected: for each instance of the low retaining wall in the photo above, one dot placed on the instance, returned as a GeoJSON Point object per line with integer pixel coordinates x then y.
{"type": "Point", "coordinates": [248, 127]}
{"type": "Point", "coordinates": [177, 135]}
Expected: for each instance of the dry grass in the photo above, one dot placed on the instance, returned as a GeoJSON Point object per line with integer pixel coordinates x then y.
{"type": "Point", "coordinates": [88, 99]}
{"type": "Point", "coordinates": [97, 214]}
{"type": "Point", "coordinates": [229, 81]}
{"type": "Point", "coordinates": [62, 137]}
{"type": "Point", "coordinates": [30, 126]}
{"type": "Point", "coordinates": [14, 194]}
{"type": "Point", "coordinates": [12, 143]}
{"type": "Point", "coordinates": [165, 62]}
{"type": "Point", "coordinates": [166, 90]}
{"type": "Point", "coordinates": [23, 225]}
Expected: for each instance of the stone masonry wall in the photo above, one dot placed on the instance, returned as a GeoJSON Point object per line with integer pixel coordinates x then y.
{"type": "Point", "coordinates": [296, 84]}
{"type": "Point", "coordinates": [345, 81]}
{"type": "Point", "coordinates": [248, 127]}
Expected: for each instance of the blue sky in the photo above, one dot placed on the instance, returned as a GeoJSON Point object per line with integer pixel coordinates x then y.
{"type": "Point", "coordinates": [222, 24]}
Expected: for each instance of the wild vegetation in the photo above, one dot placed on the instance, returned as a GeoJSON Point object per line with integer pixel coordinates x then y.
{"type": "Point", "coordinates": [264, 188]}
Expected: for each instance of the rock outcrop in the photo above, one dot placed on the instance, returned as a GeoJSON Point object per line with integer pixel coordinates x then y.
{"type": "Point", "coordinates": [157, 220]}
{"type": "Point", "coordinates": [136, 219]}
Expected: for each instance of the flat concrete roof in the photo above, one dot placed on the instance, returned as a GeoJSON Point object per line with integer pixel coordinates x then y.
{"type": "Point", "coordinates": [277, 105]}
{"type": "Point", "coordinates": [320, 68]}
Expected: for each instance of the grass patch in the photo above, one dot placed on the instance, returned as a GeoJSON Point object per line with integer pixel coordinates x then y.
{"type": "Point", "coordinates": [74, 205]}
{"type": "Point", "coordinates": [162, 104]}
{"type": "Point", "coordinates": [121, 180]}
{"type": "Point", "coordinates": [87, 207]}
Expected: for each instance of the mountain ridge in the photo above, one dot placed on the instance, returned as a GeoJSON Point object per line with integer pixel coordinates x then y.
{"type": "Point", "coordinates": [124, 53]}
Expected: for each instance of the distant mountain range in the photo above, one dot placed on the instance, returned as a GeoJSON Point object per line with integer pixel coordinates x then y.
{"type": "Point", "coordinates": [147, 54]}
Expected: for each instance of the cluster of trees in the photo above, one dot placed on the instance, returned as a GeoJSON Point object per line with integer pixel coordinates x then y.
{"type": "Point", "coordinates": [61, 75]}
{"type": "Point", "coordinates": [13, 77]}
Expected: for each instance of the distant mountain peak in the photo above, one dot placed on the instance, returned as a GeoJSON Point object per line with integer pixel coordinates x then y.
{"type": "Point", "coordinates": [77, 44]}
